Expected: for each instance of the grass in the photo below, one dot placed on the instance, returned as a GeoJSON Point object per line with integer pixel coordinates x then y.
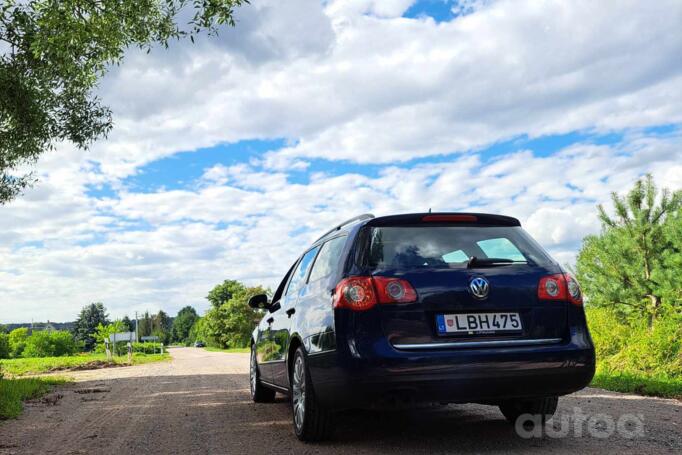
{"type": "Point", "coordinates": [231, 350]}
{"type": "Point", "coordinates": [39, 365]}
{"type": "Point", "coordinates": [14, 391]}
{"type": "Point", "coordinates": [640, 384]}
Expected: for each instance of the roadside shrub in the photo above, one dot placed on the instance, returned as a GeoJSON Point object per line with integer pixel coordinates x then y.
{"type": "Point", "coordinates": [4, 346]}
{"type": "Point", "coordinates": [148, 348]}
{"type": "Point", "coordinates": [49, 344]}
{"type": "Point", "coordinates": [634, 347]}
{"type": "Point", "coordinates": [17, 341]}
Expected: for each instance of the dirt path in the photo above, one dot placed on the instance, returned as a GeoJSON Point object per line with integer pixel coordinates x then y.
{"type": "Point", "coordinates": [199, 403]}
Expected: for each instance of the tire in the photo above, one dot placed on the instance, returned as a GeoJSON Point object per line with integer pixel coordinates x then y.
{"type": "Point", "coordinates": [259, 393]}
{"type": "Point", "coordinates": [311, 421]}
{"type": "Point", "coordinates": [541, 408]}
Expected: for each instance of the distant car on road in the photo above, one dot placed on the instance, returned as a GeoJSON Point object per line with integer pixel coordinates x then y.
{"type": "Point", "coordinates": [430, 307]}
{"type": "Point", "coordinates": [199, 344]}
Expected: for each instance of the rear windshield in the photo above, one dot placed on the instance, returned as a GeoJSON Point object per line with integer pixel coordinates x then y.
{"type": "Point", "coordinates": [412, 247]}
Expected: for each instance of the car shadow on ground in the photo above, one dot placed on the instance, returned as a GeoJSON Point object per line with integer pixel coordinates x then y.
{"type": "Point", "coordinates": [214, 414]}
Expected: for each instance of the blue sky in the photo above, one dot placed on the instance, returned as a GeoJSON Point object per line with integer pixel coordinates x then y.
{"type": "Point", "coordinates": [230, 155]}
{"type": "Point", "coordinates": [439, 10]}
{"type": "Point", "coordinates": [185, 169]}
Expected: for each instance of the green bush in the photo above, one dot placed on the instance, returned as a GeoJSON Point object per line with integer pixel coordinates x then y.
{"type": "Point", "coordinates": [147, 348]}
{"type": "Point", "coordinates": [49, 344]}
{"type": "Point", "coordinates": [121, 347]}
{"type": "Point", "coordinates": [17, 341]}
{"type": "Point", "coordinates": [4, 346]}
{"type": "Point", "coordinates": [634, 347]}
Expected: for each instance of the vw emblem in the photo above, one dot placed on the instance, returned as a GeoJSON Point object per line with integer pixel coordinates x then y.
{"type": "Point", "coordinates": [479, 287]}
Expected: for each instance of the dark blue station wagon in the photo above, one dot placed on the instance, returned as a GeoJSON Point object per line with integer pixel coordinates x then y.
{"type": "Point", "coordinates": [430, 307]}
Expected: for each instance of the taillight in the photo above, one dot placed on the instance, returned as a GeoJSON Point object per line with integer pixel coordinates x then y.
{"type": "Point", "coordinates": [361, 293]}
{"type": "Point", "coordinates": [574, 292]}
{"type": "Point", "coordinates": [356, 293]}
{"type": "Point", "coordinates": [394, 290]}
{"type": "Point", "coordinates": [560, 286]}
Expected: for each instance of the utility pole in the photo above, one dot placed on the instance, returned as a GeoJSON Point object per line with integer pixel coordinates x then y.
{"type": "Point", "coordinates": [137, 336]}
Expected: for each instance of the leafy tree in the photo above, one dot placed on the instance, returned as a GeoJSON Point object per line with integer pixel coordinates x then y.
{"type": "Point", "coordinates": [230, 321]}
{"type": "Point", "coordinates": [104, 331]}
{"type": "Point", "coordinates": [161, 326]}
{"type": "Point", "coordinates": [17, 341]}
{"type": "Point", "coordinates": [127, 324]}
{"type": "Point", "coordinates": [145, 325]}
{"type": "Point", "coordinates": [183, 322]}
{"type": "Point", "coordinates": [90, 318]}
{"type": "Point", "coordinates": [56, 53]}
{"type": "Point", "coordinates": [4, 346]}
{"type": "Point", "coordinates": [198, 331]}
{"type": "Point", "coordinates": [631, 266]}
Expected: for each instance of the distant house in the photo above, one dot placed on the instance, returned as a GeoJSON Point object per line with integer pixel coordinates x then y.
{"type": "Point", "coordinates": [41, 326]}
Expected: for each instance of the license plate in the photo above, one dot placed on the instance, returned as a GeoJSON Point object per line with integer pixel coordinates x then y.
{"type": "Point", "coordinates": [478, 323]}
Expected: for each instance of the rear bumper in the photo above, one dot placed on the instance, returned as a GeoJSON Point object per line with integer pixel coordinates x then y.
{"type": "Point", "coordinates": [490, 374]}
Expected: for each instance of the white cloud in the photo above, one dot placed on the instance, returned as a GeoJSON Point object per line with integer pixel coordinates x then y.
{"type": "Point", "coordinates": [353, 81]}
{"type": "Point", "coordinates": [376, 89]}
{"type": "Point", "coordinates": [245, 224]}
{"type": "Point", "coordinates": [383, 8]}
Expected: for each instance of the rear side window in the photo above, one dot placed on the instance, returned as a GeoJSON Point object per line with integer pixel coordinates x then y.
{"type": "Point", "coordinates": [301, 271]}
{"type": "Point", "coordinates": [328, 258]}
{"type": "Point", "coordinates": [500, 248]}
{"type": "Point", "coordinates": [414, 247]}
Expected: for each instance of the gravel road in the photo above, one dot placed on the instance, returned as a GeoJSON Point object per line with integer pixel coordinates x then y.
{"type": "Point", "coordinates": [199, 403]}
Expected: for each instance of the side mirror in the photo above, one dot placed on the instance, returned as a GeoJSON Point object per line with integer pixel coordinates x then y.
{"type": "Point", "coordinates": [259, 302]}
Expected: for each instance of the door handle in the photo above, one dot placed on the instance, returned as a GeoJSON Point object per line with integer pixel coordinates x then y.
{"type": "Point", "coordinates": [291, 311]}
{"type": "Point", "coordinates": [270, 320]}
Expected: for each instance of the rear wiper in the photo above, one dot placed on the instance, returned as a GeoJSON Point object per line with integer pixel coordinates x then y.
{"type": "Point", "coordinates": [490, 262]}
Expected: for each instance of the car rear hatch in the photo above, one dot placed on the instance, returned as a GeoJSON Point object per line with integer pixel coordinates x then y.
{"type": "Point", "coordinates": [476, 278]}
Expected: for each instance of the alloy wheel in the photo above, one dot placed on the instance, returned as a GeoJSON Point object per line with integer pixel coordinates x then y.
{"type": "Point", "coordinates": [253, 373]}
{"type": "Point", "coordinates": [298, 392]}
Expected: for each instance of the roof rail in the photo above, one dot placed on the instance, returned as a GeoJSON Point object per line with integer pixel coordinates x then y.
{"type": "Point", "coordinates": [364, 216]}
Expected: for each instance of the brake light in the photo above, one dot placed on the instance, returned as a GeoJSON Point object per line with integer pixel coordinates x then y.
{"type": "Point", "coordinates": [450, 218]}
{"type": "Point", "coordinates": [560, 286]}
{"type": "Point", "coordinates": [360, 293]}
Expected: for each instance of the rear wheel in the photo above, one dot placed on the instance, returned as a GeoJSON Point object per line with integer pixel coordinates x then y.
{"type": "Point", "coordinates": [311, 421]}
{"type": "Point", "coordinates": [541, 410]}
{"type": "Point", "coordinates": [259, 393]}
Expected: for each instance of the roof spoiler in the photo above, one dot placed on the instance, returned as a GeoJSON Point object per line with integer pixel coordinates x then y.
{"type": "Point", "coordinates": [472, 219]}
{"type": "Point", "coordinates": [355, 219]}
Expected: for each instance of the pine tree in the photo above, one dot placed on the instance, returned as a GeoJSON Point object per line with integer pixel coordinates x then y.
{"type": "Point", "coordinates": [85, 326]}
{"type": "Point", "coordinates": [625, 267]}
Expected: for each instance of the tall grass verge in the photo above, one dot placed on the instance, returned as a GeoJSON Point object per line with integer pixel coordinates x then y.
{"type": "Point", "coordinates": [635, 357]}
{"type": "Point", "coordinates": [39, 365]}
{"type": "Point", "coordinates": [13, 392]}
